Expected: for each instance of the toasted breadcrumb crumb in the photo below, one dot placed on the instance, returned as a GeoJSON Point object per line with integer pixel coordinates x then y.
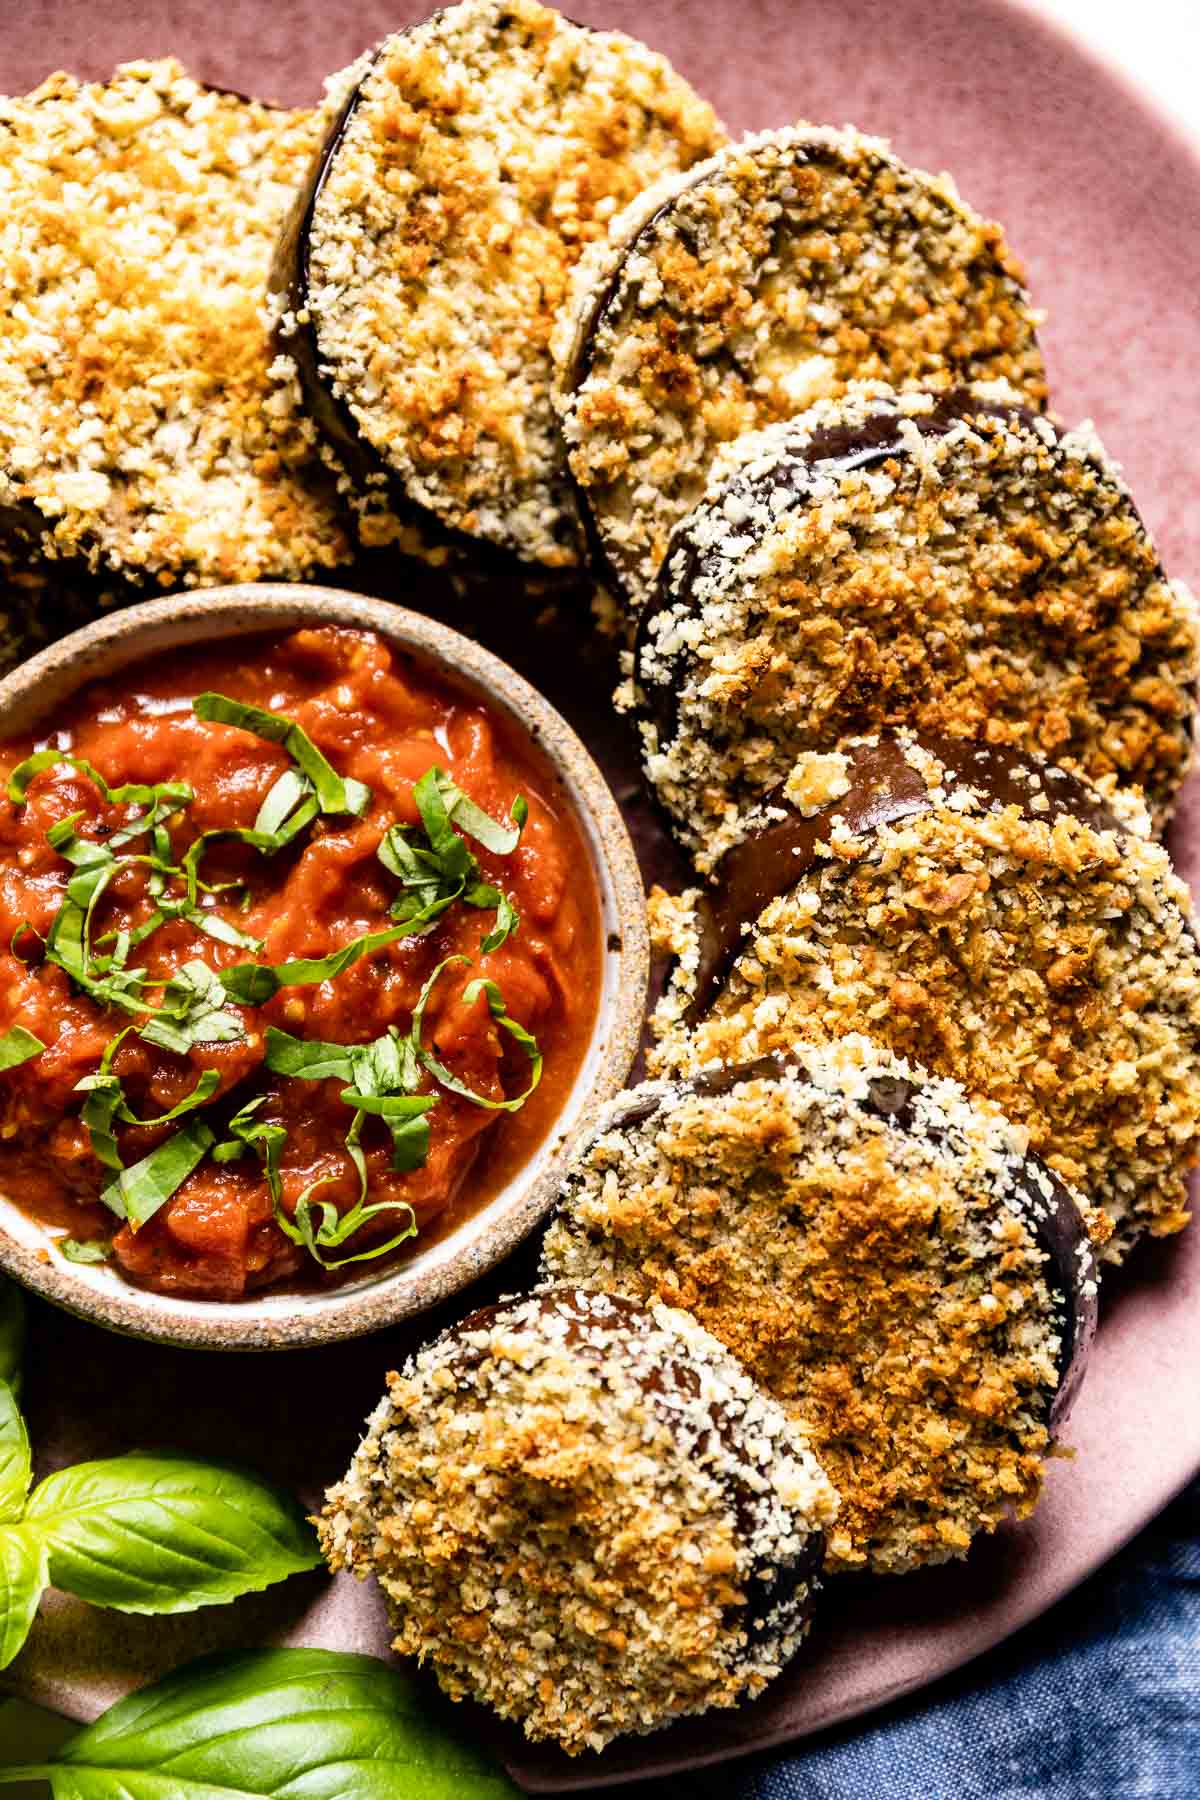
{"type": "Point", "coordinates": [879, 1272]}
{"type": "Point", "coordinates": [1047, 965]}
{"type": "Point", "coordinates": [486, 148]}
{"type": "Point", "coordinates": [143, 428]}
{"type": "Point", "coordinates": [743, 291]}
{"type": "Point", "coordinates": [971, 571]}
{"type": "Point", "coordinates": [585, 1513]}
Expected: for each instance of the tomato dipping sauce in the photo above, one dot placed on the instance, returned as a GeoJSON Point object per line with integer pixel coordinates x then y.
{"type": "Point", "coordinates": [212, 1202]}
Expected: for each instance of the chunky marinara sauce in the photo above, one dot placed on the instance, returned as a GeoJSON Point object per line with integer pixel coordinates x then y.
{"type": "Point", "coordinates": [384, 719]}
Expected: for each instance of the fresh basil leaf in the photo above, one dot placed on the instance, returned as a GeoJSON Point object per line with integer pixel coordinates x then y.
{"type": "Point", "coordinates": [84, 1250]}
{"type": "Point", "coordinates": [334, 794]}
{"type": "Point", "coordinates": [15, 1462]}
{"type": "Point", "coordinates": [12, 1334]}
{"type": "Point", "coordinates": [253, 984]}
{"type": "Point", "coordinates": [98, 1115]}
{"type": "Point", "coordinates": [18, 1046]}
{"type": "Point", "coordinates": [144, 1186]}
{"type": "Point", "coordinates": [24, 1578]}
{"type": "Point", "coordinates": [435, 795]}
{"type": "Point", "coordinates": [106, 1103]}
{"type": "Point", "coordinates": [282, 799]}
{"type": "Point", "coordinates": [273, 1725]}
{"type": "Point", "coordinates": [158, 1533]}
{"type": "Point", "coordinates": [508, 921]}
{"type": "Point", "coordinates": [336, 1229]}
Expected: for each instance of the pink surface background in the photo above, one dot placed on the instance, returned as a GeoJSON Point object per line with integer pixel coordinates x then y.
{"type": "Point", "coordinates": [1103, 203]}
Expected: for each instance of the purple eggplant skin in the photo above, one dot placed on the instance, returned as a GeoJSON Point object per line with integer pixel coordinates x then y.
{"type": "Point", "coordinates": [768, 1590]}
{"type": "Point", "coordinates": [884, 788]}
{"type": "Point", "coordinates": [1056, 1222]}
{"type": "Point", "coordinates": [289, 283]}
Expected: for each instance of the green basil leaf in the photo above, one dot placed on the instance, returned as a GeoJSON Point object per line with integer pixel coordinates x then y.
{"type": "Point", "coordinates": [282, 799]}
{"type": "Point", "coordinates": [410, 1143]}
{"type": "Point", "coordinates": [12, 1334]}
{"type": "Point", "coordinates": [16, 1464]}
{"type": "Point", "coordinates": [18, 1046]}
{"type": "Point", "coordinates": [24, 1578]}
{"type": "Point", "coordinates": [389, 1106]}
{"type": "Point", "coordinates": [253, 984]}
{"type": "Point", "coordinates": [273, 1725]}
{"type": "Point", "coordinates": [334, 794]}
{"type": "Point", "coordinates": [84, 1250]}
{"type": "Point", "coordinates": [307, 1059]}
{"type": "Point", "coordinates": [165, 1534]}
{"type": "Point", "coordinates": [144, 1186]}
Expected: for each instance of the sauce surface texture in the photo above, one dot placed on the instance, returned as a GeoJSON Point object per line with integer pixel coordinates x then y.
{"type": "Point", "coordinates": [380, 718]}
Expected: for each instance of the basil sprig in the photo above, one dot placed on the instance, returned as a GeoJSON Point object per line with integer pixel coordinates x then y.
{"type": "Point", "coordinates": [18, 1046]}
{"type": "Point", "coordinates": [271, 1725]}
{"type": "Point", "coordinates": [442, 869]}
{"type": "Point", "coordinates": [141, 1533]}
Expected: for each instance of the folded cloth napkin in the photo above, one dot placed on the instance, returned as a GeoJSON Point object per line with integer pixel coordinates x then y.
{"type": "Point", "coordinates": [1097, 1700]}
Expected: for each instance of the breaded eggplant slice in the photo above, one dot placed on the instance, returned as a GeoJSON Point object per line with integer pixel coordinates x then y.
{"type": "Point", "coordinates": [983, 914]}
{"type": "Point", "coordinates": [748, 289]}
{"type": "Point", "coordinates": [882, 1254]}
{"type": "Point", "coordinates": [143, 428]}
{"type": "Point", "coordinates": [476, 159]}
{"type": "Point", "coordinates": [952, 564]}
{"type": "Point", "coordinates": [584, 1513]}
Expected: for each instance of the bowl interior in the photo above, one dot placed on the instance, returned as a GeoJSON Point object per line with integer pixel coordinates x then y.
{"type": "Point", "coordinates": [28, 699]}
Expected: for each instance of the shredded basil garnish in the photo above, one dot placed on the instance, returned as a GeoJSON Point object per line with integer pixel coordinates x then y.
{"type": "Point", "coordinates": [436, 873]}
{"type": "Point", "coordinates": [499, 1012]}
{"type": "Point", "coordinates": [332, 793]}
{"type": "Point", "coordinates": [85, 1250]}
{"type": "Point", "coordinates": [382, 1077]}
{"type": "Point", "coordinates": [106, 1103]}
{"type": "Point", "coordinates": [132, 793]}
{"type": "Point", "coordinates": [192, 1011]}
{"type": "Point", "coordinates": [18, 1046]}
{"type": "Point", "coordinates": [435, 867]}
{"type": "Point", "coordinates": [141, 1189]}
{"type": "Point", "coordinates": [253, 984]}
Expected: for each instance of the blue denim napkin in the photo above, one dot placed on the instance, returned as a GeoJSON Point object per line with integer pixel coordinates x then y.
{"type": "Point", "coordinates": [1097, 1700]}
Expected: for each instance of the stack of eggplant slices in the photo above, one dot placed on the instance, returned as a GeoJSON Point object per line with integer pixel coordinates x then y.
{"type": "Point", "coordinates": [911, 689]}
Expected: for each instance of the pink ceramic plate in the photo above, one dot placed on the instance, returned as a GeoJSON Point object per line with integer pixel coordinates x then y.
{"type": "Point", "coordinates": [1103, 201]}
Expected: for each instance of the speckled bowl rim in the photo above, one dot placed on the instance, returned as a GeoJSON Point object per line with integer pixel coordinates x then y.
{"type": "Point", "coordinates": [290, 1321]}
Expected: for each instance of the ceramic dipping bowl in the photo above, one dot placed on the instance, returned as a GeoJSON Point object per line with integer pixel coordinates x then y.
{"type": "Point", "coordinates": [29, 699]}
